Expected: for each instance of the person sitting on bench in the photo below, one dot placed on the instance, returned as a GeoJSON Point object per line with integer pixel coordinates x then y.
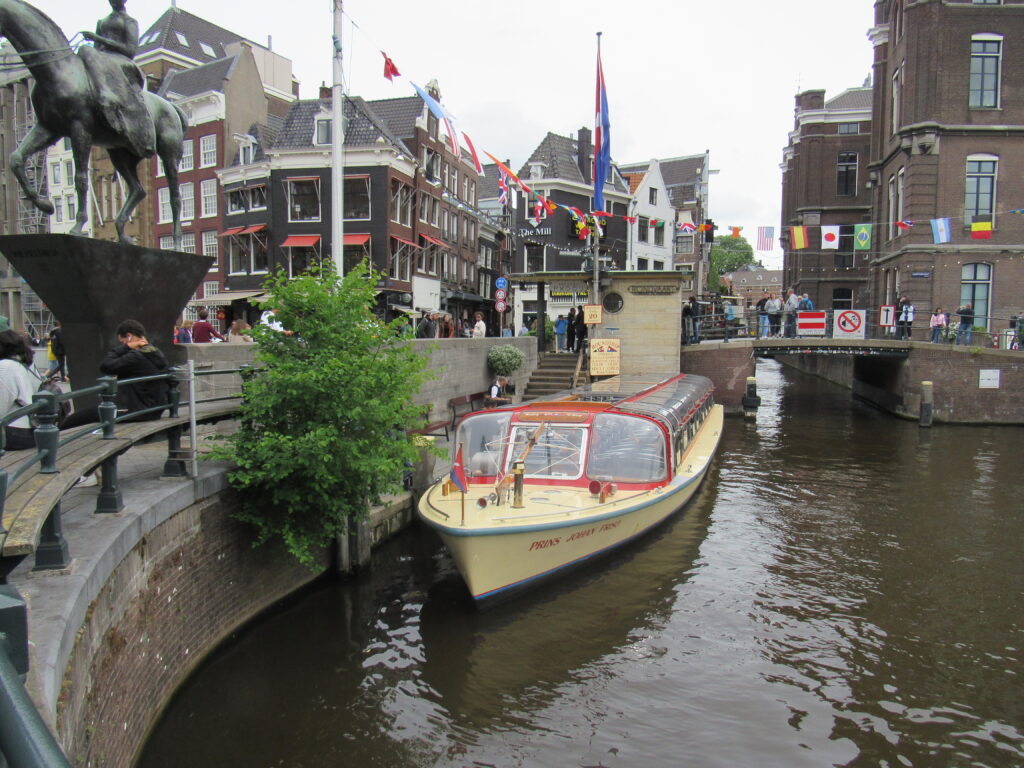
{"type": "Point", "coordinates": [496, 394]}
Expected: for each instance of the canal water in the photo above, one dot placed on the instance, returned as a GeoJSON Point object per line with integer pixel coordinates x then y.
{"type": "Point", "coordinates": [846, 589]}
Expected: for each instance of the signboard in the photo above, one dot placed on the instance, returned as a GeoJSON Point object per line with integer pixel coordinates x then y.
{"type": "Point", "coordinates": [591, 314]}
{"type": "Point", "coordinates": [988, 379]}
{"type": "Point", "coordinates": [887, 315]}
{"type": "Point", "coordinates": [501, 283]}
{"type": "Point", "coordinates": [849, 324]}
{"type": "Point", "coordinates": [604, 357]}
{"type": "Point", "coordinates": [500, 306]}
{"type": "Point", "coordinates": [499, 294]}
{"type": "Point", "coordinates": [811, 323]}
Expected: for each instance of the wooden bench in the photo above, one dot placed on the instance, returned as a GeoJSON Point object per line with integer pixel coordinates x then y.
{"type": "Point", "coordinates": [431, 427]}
{"type": "Point", "coordinates": [31, 510]}
{"type": "Point", "coordinates": [464, 404]}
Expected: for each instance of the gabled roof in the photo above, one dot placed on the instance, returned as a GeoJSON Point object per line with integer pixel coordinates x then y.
{"type": "Point", "coordinates": [400, 114]}
{"type": "Point", "coordinates": [681, 175]}
{"type": "Point", "coordinates": [557, 156]}
{"type": "Point", "coordinates": [487, 187]}
{"type": "Point", "coordinates": [185, 34]}
{"type": "Point", "coordinates": [851, 98]}
{"type": "Point", "coordinates": [363, 127]}
{"type": "Point", "coordinates": [183, 83]}
{"type": "Point", "coordinates": [264, 135]}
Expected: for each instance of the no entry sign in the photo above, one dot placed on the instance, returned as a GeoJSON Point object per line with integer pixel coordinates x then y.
{"type": "Point", "coordinates": [849, 324]}
{"type": "Point", "coordinates": [811, 323]}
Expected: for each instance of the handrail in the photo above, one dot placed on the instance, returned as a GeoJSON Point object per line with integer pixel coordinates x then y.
{"type": "Point", "coordinates": [26, 741]}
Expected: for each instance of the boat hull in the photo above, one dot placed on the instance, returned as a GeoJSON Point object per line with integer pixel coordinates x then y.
{"type": "Point", "coordinates": [502, 551]}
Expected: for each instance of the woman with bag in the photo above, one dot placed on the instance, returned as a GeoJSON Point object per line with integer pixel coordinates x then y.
{"type": "Point", "coordinates": [17, 385]}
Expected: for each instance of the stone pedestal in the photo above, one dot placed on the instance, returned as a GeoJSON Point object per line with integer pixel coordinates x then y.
{"type": "Point", "coordinates": [92, 285]}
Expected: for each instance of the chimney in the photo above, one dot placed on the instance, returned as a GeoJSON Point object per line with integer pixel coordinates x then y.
{"type": "Point", "coordinates": [326, 91]}
{"type": "Point", "coordinates": [810, 100]}
{"type": "Point", "coordinates": [584, 150]}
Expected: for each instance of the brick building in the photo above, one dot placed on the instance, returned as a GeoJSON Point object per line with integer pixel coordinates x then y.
{"type": "Point", "coordinates": [948, 143]}
{"type": "Point", "coordinates": [824, 184]}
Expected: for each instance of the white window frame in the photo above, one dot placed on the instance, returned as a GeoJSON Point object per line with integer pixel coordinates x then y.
{"type": "Point", "coordinates": [188, 242]}
{"type": "Point", "coordinates": [188, 156]}
{"type": "Point", "coordinates": [163, 196]}
{"type": "Point", "coordinates": [187, 192]}
{"type": "Point", "coordinates": [211, 247]}
{"type": "Point", "coordinates": [982, 158]}
{"type": "Point", "coordinates": [208, 198]}
{"type": "Point", "coordinates": [208, 150]}
{"type": "Point", "coordinates": [292, 214]}
{"type": "Point", "coordinates": [987, 38]}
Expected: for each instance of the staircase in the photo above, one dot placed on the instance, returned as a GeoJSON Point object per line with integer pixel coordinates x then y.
{"type": "Point", "coordinates": [552, 374]}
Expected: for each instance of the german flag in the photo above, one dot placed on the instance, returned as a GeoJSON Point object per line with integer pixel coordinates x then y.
{"type": "Point", "coordinates": [981, 230]}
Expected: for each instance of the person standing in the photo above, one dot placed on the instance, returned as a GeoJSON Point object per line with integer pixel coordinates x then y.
{"type": "Point", "coordinates": [17, 385]}
{"type": "Point", "coordinates": [937, 324]}
{"type": "Point", "coordinates": [56, 344]}
{"type": "Point", "coordinates": [479, 327]}
{"type": "Point", "coordinates": [966, 328]}
{"type": "Point", "coordinates": [570, 330]}
{"type": "Point", "coordinates": [237, 332]}
{"type": "Point", "coordinates": [581, 330]}
{"type": "Point", "coordinates": [560, 325]}
{"type": "Point", "coordinates": [789, 310]}
{"type": "Point", "coordinates": [905, 319]}
{"type": "Point", "coordinates": [426, 328]}
{"type": "Point", "coordinates": [183, 335]}
{"type": "Point", "coordinates": [762, 315]}
{"type": "Point", "coordinates": [203, 331]}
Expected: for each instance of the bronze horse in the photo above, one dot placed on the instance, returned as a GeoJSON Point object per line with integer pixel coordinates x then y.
{"type": "Point", "coordinates": [66, 105]}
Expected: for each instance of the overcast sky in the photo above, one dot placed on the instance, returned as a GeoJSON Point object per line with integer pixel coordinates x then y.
{"type": "Point", "coordinates": [682, 76]}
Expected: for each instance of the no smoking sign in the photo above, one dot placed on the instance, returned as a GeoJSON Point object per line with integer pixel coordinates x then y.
{"type": "Point", "coordinates": [849, 324]}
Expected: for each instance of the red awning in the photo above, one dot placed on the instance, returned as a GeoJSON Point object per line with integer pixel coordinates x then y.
{"type": "Point", "coordinates": [253, 228]}
{"type": "Point", "coordinates": [356, 239]}
{"type": "Point", "coordinates": [403, 240]}
{"type": "Point", "coordinates": [300, 241]}
{"type": "Point", "coordinates": [232, 231]}
{"type": "Point", "coordinates": [433, 240]}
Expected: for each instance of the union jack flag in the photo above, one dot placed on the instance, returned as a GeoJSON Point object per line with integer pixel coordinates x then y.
{"type": "Point", "coordinates": [502, 187]}
{"type": "Point", "coordinates": [904, 225]}
{"type": "Point", "coordinates": [687, 226]}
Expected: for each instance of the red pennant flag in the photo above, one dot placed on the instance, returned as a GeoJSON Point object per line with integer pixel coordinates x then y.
{"type": "Point", "coordinates": [390, 70]}
{"type": "Point", "coordinates": [458, 473]}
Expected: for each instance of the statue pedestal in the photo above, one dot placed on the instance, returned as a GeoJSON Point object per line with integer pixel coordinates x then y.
{"type": "Point", "coordinates": [92, 285]}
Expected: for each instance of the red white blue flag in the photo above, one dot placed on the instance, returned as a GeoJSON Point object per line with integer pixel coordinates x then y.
{"type": "Point", "coordinates": [502, 187]}
{"type": "Point", "coordinates": [602, 136]}
{"type": "Point", "coordinates": [458, 473]}
{"type": "Point", "coordinates": [442, 115]}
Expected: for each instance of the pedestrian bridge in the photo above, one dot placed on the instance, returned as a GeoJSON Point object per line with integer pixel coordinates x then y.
{"type": "Point", "coordinates": [972, 384]}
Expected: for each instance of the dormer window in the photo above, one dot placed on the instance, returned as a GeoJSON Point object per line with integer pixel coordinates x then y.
{"type": "Point", "coordinates": [323, 131]}
{"type": "Point", "coordinates": [208, 50]}
{"type": "Point", "coordinates": [182, 39]}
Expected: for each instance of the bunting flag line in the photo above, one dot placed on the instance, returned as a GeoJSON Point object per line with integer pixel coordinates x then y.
{"type": "Point", "coordinates": [765, 238]}
{"type": "Point", "coordinates": [981, 230]}
{"type": "Point", "coordinates": [602, 135]}
{"type": "Point", "coordinates": [508, 172]}
{"type": "Point", "coordinates": [904, 225]}
{"type": "Point", "coordinates": [442, 115]}
{"type": "Point", "coordinates": [687, 226]}
{"type": "Point", "coordinates": [798, 238]}
{"type": "Point", "coordinates": [862, 237]}
{"type": "Point", "coordinates": [830, 238]}
{"type": "Point", "coordinates": [940, 231]}
{"type": "Point", "coordinates": [502, 187]}
{"type": "Point", "coordinates": [472, 152]}
{"type": "Point", "coordinates": [390, 70]}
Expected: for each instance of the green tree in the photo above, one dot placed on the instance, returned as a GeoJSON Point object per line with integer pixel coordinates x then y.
{"type": "Point", "coordinates": [727, 255]}
{"type": "Point", "coordinates": [323, 418]}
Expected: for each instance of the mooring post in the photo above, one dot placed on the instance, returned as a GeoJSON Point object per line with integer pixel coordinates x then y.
{"type": "Point", "coordinates": [927, 404]}
{"type": "Point", "coordinates": [751, 402]}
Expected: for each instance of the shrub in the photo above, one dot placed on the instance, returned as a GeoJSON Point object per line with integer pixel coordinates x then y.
{"type": "Point", "coordinates": [323, 420]}
{"type": "Point", "coordinates": [505, 359]}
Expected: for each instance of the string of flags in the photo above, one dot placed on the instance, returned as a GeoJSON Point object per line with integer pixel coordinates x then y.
{"type": "Point", "coordinates": [980, 229]}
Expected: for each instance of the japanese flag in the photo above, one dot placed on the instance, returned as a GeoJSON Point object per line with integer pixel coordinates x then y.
{"type": "Point", "coordinates": [830, 238]}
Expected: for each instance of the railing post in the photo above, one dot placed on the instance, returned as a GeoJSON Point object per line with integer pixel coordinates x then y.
{"type": "Point", "coordinates": [52, 552]}
{"type": "Point", "coordinates": [174, 392]}
{"type": "Point", "coordinates": [109, 500]}
{"type": "Point", "coordinates": [175, 465]}
{"type": "Point", "coordinates": [47, 435]}
{"type": "Point", "coordinates": [108, 405]}
{"type": "Point", "coordinates": [193, 442]}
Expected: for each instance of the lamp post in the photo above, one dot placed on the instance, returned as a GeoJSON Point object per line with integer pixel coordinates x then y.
{"type": "Point", "coordinates": [337, 149]}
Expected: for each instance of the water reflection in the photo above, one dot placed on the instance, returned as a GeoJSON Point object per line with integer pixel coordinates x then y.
{"type": "Point", "coordinates": [846, 590]}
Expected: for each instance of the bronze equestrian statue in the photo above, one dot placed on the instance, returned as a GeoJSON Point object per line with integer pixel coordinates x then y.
{"type": "Point", "coordinates": [96, 98]}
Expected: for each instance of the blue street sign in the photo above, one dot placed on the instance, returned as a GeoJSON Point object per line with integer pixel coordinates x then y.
{"type": "Point", "coordinates": [501, 283]}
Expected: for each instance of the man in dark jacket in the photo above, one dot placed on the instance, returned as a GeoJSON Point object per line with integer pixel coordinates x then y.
{"type": "Point", "coordinates": [133, 357]}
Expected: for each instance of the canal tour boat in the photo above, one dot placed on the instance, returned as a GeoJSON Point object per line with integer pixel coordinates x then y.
{"type": "Point", "coordinates": [542, 486]}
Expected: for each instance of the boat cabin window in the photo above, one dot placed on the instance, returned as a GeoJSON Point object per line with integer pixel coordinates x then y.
{"type": "Point", "coordinates": [556, 452]}
{"type": "Point", "coordinates": [626, 449]}
{"type": "Point", "coordinates": [483, 439]}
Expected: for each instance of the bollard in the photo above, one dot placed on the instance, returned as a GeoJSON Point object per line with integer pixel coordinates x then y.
{"type": "Point", "coordinates": [927, 404]}
{"type": "Point", "coordinates": [751, 402]}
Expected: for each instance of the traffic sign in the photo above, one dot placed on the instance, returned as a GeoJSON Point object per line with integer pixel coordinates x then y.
{"type": "Point", "coordinates": [501, 283]}
{"type": "Point", "coordinates": [811, 323]}
{"type": "Point", "coordinates": [500, 306]}
{"type": "Point", "coordinates": [849, 324]}
{"type": "Point", "coordinates": [499, 294]}
{"type": "Point", "coordinates": [887, 315]}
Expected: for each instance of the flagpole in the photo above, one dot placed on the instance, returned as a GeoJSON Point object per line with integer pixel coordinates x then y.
{"type": "Point", "coordinates": [338, 149]}
{"type": "Point", "coordinates": [593, 239]}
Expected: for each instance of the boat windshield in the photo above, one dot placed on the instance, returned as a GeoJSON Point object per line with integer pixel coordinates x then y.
{"type": "Point", "coordinates": [626, 449]}
{"type": "Point", "coordinates": [556, 453]}
{"type": "Point", "coordinates": [483, 437]}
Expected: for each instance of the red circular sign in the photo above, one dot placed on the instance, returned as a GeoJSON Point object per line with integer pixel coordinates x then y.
{"type": "Point", "coordinates": [499, 294]}
{"type": "Point", "coordinates": [500, 306]}
{"type": "Point", "coordinates": [849, 322]}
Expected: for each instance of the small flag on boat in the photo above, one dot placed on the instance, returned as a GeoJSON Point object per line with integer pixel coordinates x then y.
{"type": "Point", "coordinates": [458, 474]}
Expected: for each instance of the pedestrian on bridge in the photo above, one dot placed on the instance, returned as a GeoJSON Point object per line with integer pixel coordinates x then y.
{"type": "Point", "coordinates": [966, 327]}
{"type": "Point", "coordinates": [905, 319]}
{"type": "Point", "coordinates": [790, 310]}
{"type": "Point", "coordinates": [938, 325]}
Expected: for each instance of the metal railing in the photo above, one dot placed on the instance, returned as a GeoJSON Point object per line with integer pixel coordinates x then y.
{"type": "Point", "coordinates": [990, 331]}
{"type": "Point", "coordinates": [25, 740]}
